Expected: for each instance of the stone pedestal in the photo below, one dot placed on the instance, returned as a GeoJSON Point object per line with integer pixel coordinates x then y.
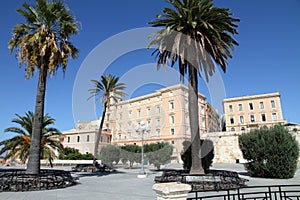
{"type": "Point", "coordinates": [172, 190]}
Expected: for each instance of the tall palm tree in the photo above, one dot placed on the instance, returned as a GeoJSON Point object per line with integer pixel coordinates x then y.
{"type": "Point", "coordinates": [42, 44]}
{"type": "Point", "coordinates": [18, 146]}
{"type": "Point", "coordinates": [108, 91]}
{"type": "Point", "coordinates": [196, 34]}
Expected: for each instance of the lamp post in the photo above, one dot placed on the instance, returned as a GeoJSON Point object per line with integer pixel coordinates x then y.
{"type": "Point", "coordinates": [142, 127]}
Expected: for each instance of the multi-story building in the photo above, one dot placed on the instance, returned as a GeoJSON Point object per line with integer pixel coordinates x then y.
{"type": "Point", "coordinates": [212, 119]}
{"type": "Point", "coordinates": [83, 137]}
{"type": "Point", "coordinates": [248, 112]}
{"type": "Point", "coordinates": [165, 112]}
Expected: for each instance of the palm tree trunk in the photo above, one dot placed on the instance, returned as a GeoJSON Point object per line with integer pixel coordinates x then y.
{"type": "Point", "coordinates": [196, 167]}
{"type": "Point", "coordinates": [99, 133]}
{"type": "Point", "coordinates": [33, 165]}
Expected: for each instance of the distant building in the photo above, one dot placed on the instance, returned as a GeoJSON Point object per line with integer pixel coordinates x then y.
{"type": "Point", "coordinates": [83, 137]}
{"type": "Point", "coordinates": [248, 112]}
{"type": "Point", "coordinates": [292, 127]}
{"type": "Point", "coordinates": [166, 114]}
{"type": "Point", "coordinates": [164, 111]}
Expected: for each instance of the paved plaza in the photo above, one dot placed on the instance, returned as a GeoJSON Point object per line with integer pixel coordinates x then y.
{"type": "Point", "coordinates": [124, 185]}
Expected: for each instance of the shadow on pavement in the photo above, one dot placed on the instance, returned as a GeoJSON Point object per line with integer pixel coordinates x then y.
{"type": "Point", "coordinates": [94, 174]}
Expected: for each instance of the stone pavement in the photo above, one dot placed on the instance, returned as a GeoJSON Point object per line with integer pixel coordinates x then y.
{"type": "Point", "coordinates": [123, 185]}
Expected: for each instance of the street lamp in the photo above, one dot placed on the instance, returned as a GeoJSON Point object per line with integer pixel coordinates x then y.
{"type": "Point", "coordinates": [142, 127]}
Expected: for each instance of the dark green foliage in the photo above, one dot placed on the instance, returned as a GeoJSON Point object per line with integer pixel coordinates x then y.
{"type": "Point", "coordinates": [110, 154]}
{"type": "Point", "coordinates": [158, 153]}
{"type": "Point", "coordinates": [207, 154]}
{"type": "Point", "coordinates": [130, 153]}
{"type": "Point", "coordinates": [69, 153]}
{"type": "Point", "coordinates": [271, 152]}
{"type": "Point", "coordinates": [18, 146]}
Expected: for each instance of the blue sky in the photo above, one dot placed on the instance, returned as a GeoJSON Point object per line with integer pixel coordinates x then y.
{"type": "Point", "coordinates": [267, 59]}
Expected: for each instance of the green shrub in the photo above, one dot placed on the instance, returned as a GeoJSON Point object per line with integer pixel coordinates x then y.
{"type": "Point", "coordinates": [270, 152]}
{"type": "Point", "coordinates": [207, 154]}
{"type": "Point", "coordinates": [69, 153]}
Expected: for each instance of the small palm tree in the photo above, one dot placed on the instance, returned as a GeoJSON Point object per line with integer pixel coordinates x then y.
{"type": "Point", "coordinates": [42, 44]}
{"type": "Point", "coordinates": [18, 146]}
{"type": "Point", "coordinates": [196, 34]}
{"type": "Point", "coordinates": [109, 91]}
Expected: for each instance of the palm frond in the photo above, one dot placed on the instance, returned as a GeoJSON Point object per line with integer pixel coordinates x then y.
{"type": "Point", "coordinates": [195, 32]}
{"type": "Point", "coordinates": [18, 146]}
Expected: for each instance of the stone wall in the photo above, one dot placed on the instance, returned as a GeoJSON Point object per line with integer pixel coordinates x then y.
{"type": "Point", "coordinates": [226, 146]}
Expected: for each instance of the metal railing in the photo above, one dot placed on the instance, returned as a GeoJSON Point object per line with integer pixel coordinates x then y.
{"type": "Point", "coordinates": [271, 192]}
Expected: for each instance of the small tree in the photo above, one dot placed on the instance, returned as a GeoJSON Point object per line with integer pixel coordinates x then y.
{"type": "Point", "coordinates": [69, 153]}
{"type": "Point", "coordinates": [207, 154]}
{"type": "Point", "coordinates": [271, 152]}
{"type": "Point", "coordinates": [110, 154]}
{"type": "Point", "coordinates": [159, 153]}
{"type": "Point", "coordinates": [131, 153]}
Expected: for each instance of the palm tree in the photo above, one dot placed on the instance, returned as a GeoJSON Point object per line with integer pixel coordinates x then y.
{"type": "Point", "coordinates": [18, 146]}
{"type": "Point", "coordinates": [196, 34]}
{"type": "Point", "coordinates": [109, 91]}
{"type": "Point", "coordinates": [42, 44]}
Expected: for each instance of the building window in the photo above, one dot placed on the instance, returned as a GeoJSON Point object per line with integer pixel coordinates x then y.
{"type": "Point", "coordinates": [243, 128]}
{"type": "Point", "coordinates": [78, 138]}
{"type": "Point", "coordinates": [171, 105]}
{"type": "Point", "coordinates": [172, 119]}
{"type": "Point", "coordinates": [263, 117]}
{"type": "Point", "coordinates": [148, 111]}
{"type": "Point", "coordinates": [129, 134]}
{"type": "Point", "coordinates": [108, 140]}
{"type": "Point", "coordinates": [240, 107]}
{"type": "Point", "coordinates": [202, 110]}
{"type": "Point", "coordinates": [101, 139]}
{"type": "Point", "coordinates": [157, 109]}
{"type": "Point", "coordinates": [172, 131]}
{"type": "Point", "coordinates": [130, 114]}
{"type": "Point", "coordinates": [261, 105]}
{"type": "Point", "coordinates": [252, 119]}
{"type": "Point", "coordinates": [231, 120]}
{"type": "Point", "coordinates": [251, 106]}
{"type": "Point", "coordinates": [273, 104]}
{"type": "Point", "coordinates": [242, 119]}
{"type": "Point", "coordinates": [171, 93]}
{"type": "Point", "coordinates": [88, 138]}
{"type": "Point", "coordinates": [148, 123]}
{"type": "Point", "coordinates": [158, 133]}
{"type": "Point", "coordinates": [120, 116]}
{"type": "Point", "coordinates": [68, 138]}
{"type": "Point", "coordinates": [232, 129]}
{"type": "Point", "coordinates": [173, 142]}
{"type": "Point", "coordinates": [158, 122]}
{"type": "Point", "coordinates": [274, 116]}
{"type": "Point", "coordinates": [120, 136]}
{"type": "Point", "coordinates": [139, 113]}
{"type": "Point", "coordinates": [230, 108]}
